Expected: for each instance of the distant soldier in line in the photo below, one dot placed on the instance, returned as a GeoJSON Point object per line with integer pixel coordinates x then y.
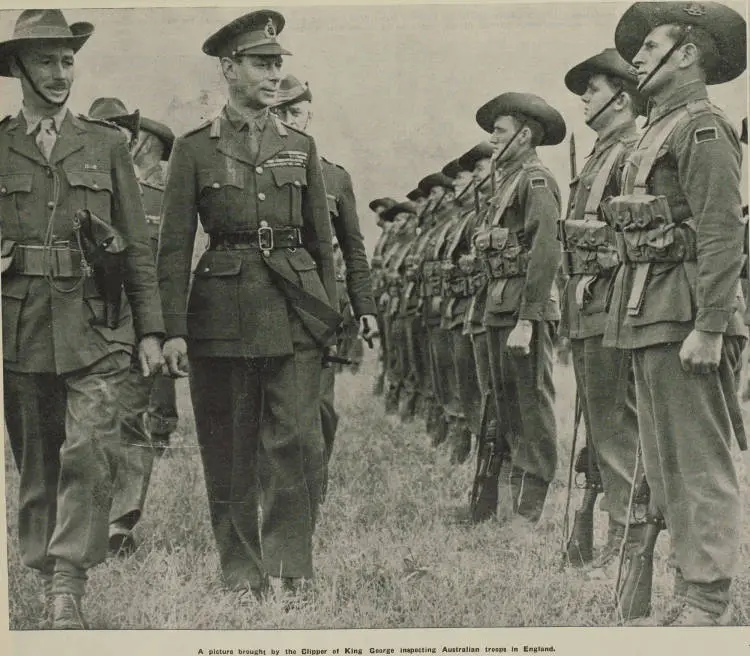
{"type": "Point", "coordinates": [519, 248]}
{"type": "Point", "coordinates": [458, 288]}
{"type": "Point", "coordinates": [404, 218]}
{"type": "Point", "coordinates": [419, 388]}
{"type": "Point", "coordinates": [293, 106]}
{"type": "Point", "coordinates": [379, 287]}
{"type": "Point", "coordinates": [607, 86]}
{"type": "Point", "coordinates": [676, 303]}
{"type": "Point", "coordinates": [260, 316]}
{"type": "Point", "coordinates": [68, 330]}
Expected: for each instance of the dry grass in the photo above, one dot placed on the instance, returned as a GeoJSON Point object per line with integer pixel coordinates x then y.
{"type": "Point", "coordinates": [389, 550]}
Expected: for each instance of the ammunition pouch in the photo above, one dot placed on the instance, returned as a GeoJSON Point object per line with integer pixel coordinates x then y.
{"type": "Point", "coordinates": [648, 231]}
{"type": "Point", "coordinates": [503, 255]}
{"type": "Point", "coordinates": [411, 268]}
{"type": "Point", "coordinates": [592, 246]}
{"type": "Point", "coordinates": [432, 277]}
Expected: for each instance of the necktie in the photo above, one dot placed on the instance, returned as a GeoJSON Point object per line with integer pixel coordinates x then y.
{"type": "Point", "coordinates": [46, 137]}
{"type": "Point", "coordinates": [253, 139]}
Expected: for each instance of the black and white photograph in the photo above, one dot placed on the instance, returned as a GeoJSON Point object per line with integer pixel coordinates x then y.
{"type": "Point", "coordinates": [388, 316]}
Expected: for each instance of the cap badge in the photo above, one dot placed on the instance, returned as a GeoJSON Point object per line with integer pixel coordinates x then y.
{"type": "Point", "coordinates": [270, 29]}
{"type": "Point", "coordinates": [695, 9]}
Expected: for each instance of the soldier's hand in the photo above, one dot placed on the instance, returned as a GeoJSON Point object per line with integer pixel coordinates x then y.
{"type": "Point", "coordinates": [328, 352]}
{"type": "Point", "coordinates": [175, 356]}
{"type": "Point", "coordinates": [519, 339]}
{"type": "Point", "coordinates": [701, 352]}
{"type": "Point", "coordinates": [150, 355]}
{"type": "Point", "coordinates": [368, 328]}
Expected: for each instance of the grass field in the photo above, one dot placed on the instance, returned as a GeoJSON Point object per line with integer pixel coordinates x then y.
{"type": "Point", "coordinates": [389, 551]}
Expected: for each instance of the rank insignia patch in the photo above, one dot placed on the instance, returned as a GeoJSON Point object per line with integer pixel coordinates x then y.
{"type": "Point", "coordinates": [706, 134]}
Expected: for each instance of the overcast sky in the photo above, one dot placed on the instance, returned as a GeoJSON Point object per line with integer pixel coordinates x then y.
{"type": "Point", "coordinates": [395, 88]}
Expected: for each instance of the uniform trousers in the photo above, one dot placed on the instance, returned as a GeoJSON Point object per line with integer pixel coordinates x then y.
{"type": "Point", "coordinates": [443, 370]}
{"type": "Point", "coordinates": [398, 357]}
{"type": "Point", "coordinates": [418, 380]}
{"type": "Point", "coordinates": [468, 389]}
{"type": "Point", "coordinates": [525, 394]}
{"type": "Point", "coordinates": [65, 435]}
{"type": "Point", "coordinates": [161, 418]}
{"type": "Point", "coordinates": [606, 388]}
{"type": "Point", "coordinates": [686, 432]}
{"type": "Point", "coordinates": [258, 425]}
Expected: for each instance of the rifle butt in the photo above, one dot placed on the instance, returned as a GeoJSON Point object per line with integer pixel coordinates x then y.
{"type": "Point", "coordinates": [580, 547]}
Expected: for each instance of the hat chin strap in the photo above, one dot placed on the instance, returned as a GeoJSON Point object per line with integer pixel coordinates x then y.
{"type": "Point", "coordinates": [606, 105]}
{"type": "Point", "coordinates": [37, 90]}
{"type": "Point", "coordinates": [677, 44]}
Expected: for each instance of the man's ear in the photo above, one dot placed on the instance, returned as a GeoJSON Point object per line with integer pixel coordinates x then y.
{"type": "Point", "coordinates": [228, 68]}
{"type": "Point", "coordinates": [688, 55]}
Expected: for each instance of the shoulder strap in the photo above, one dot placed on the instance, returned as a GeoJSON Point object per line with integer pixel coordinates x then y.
{"type": "Point", "coordinates": [591, 211]}
{"type": "Point", "coordinates": [456, 237]}
{"type": "Point", "coordinates": [652, 151]}
{"type": "Point", "coordinates": [505, 198]}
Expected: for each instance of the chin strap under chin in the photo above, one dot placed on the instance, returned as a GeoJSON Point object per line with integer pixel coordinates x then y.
{"type": "Point", "coordinates": [604, 107]}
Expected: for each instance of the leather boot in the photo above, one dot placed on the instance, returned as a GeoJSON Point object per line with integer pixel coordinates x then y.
{"type": "Point", "coordinates": [406, 406]}
{"type": "Point", "coordinates": [529, 494]}
{"type": "Point", "coordinates": [66, 612]}
{"type": "Point", "coordinates": [460, 440]}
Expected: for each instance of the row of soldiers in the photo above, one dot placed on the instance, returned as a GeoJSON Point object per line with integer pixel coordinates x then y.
{"type": "Point", "coordinates": [651, 248]}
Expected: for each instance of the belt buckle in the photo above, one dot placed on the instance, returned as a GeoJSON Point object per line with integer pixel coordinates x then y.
{"type": "Point", "coordinates": [265, 238]}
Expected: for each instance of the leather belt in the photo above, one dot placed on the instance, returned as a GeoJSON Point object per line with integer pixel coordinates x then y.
{"type": "Point", "coordinates": [59, 261]}
{"type": "Point", "coordinates": [265, 238]}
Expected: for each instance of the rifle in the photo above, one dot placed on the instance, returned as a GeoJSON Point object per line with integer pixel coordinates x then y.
{"type": "Point", "coordinates": [567, 263]}
{"type": "Point", "coordinates": [491, 452]}
{"type": "Point", "coordinates": [634, 590]}
{"type": "Point", "coordinates": [580, 547]}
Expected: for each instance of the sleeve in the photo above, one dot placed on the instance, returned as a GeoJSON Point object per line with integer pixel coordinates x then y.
{"type": "Point", "coordinates": [352, 244]}
{"type": "Point", "coordinates": [709, 164]}
{"type": "Point", "coordinates": [317, 228]}
{"type": "Point", "coordinates": [540, 199]}
{"type": "Point", "coordinates": [128, 217]}
{"type": "Point", "coordinates": [179, 222]}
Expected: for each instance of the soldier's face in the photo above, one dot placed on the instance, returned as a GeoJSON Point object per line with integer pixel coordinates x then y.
{"type": "Point", "coordinates": [504, 133]}
{"type": "Point", "coordinates": [482, 169]}
{"type": "Point", "coordinates": [254, 78]}
{"type": "Point", "coordinates": [297, 115]}
{"type": "Point", "coordinates": [50, 67]}
{"type": "Point", "coordinates": [436, 193]}
{"type": "Point", "coordinates": [462, 180]}
{"type": "Point", "coordinates": [655, 46]}
{"type": "Point", "coordinates": [598, 93]}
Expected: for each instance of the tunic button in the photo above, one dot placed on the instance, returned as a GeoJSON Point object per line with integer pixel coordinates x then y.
{"type": "Point", "coordinates": [259, 169]}
{"type": "Point", "coordinates": [51, 205]}
{"type": "Point", "coordinates": [297, 183]}
{"type": "Point", "coordinates": [215, 185]}
{"type": "Point", "coordinates": [96, 185]}
{"type": "Point", "coordinates": [3, 190]}
{"type": "Point", "coordinates": [261, 196]}
{"type": "Point", "coordinates": [264, 224]}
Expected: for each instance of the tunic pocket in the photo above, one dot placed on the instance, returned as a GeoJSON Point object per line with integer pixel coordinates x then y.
{"type": "Point", "coordinates": [95, 189]}
{"type": "Point", "coordinates": [14, 292]}
{"type": "Point", "coordinates": [13, 190]}
{"type": "Point", "coordinates": [213, 309]}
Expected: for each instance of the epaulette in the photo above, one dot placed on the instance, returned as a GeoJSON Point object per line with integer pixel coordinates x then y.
{"type": "Point", "coordinates": [290, 127]}
{"type": "Point", "coordinates": [338, 166]}
{"type": "Point", "coordinates": [198, 128]}
{"type": "Point", "coordinates": [98, 121]}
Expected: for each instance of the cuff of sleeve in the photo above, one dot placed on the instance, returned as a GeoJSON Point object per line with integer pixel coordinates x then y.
{"type": "Point", "coordinates": [711, 320]}
{"type": "Point", "coordinates": [176, 328]}
{"type": "Point", "coordinates": [149, 327]}
{"type": "Point", "coordinates": [532, 311]}
{"type": "Point", "coordinates": [364, 307]}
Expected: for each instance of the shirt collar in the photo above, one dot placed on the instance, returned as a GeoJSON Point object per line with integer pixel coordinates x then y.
{"type": "Point", "coordinates": [33, 118]}
{"type": "Point", "coordinates": [682, 95]}
{"type": "Point", "coordinates": [628, 129]}
{"type": "Point", "coordinates": [528, 157]}
{"type": "Point", "coordinates": [239, 121]}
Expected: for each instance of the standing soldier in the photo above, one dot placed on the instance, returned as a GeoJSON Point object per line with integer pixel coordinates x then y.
{"type": "Point", "coordinates": [676, 303]}
{"type": "Point", "coordinates": [379, 288]}
{"type": "Point", "coordinates": [67, 334]}
{"type": "Point", "coordinates": [293, 107]}
{"type": "Point", "coordinates": [607, 86]}
{"type": "Point", "coordinates": [521, 254]}
{"type": "Point", "coordinates": [260, 315]}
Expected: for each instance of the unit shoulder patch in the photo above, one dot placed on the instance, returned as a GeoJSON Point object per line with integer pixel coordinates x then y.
{"type": "Point", "coordinates": [702, 135]}
{"type": "Point", "coordinates": [538, 183]}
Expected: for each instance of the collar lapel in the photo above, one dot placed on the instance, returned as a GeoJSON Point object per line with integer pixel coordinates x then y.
{"type": "Point", "coordinates": [271, 141]}
{"type": "Point", "coordinates": [24, 144]}
{"type": "Point", "coordinates": [69, 140]}
{"type": "Point", "coordinates": [232, 143]}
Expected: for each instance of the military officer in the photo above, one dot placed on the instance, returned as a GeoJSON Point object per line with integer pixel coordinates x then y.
{"type": "Point", "coordinates": [607, 86]}
{"type": "Point", "coordinates": [521, 255]}
{"type": "Point", "coordinates": [260, 315]}
{"type": "Point", "coordinates": [68, 333]}
{"type": "Point", "coordinates": [293, 106]}
{"type": "Point", "coordinates": [132, 471]}
{"type": "Point", "coordinates": [676, 302]}
{"type": "Point", "coordinates": [379, 288]}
